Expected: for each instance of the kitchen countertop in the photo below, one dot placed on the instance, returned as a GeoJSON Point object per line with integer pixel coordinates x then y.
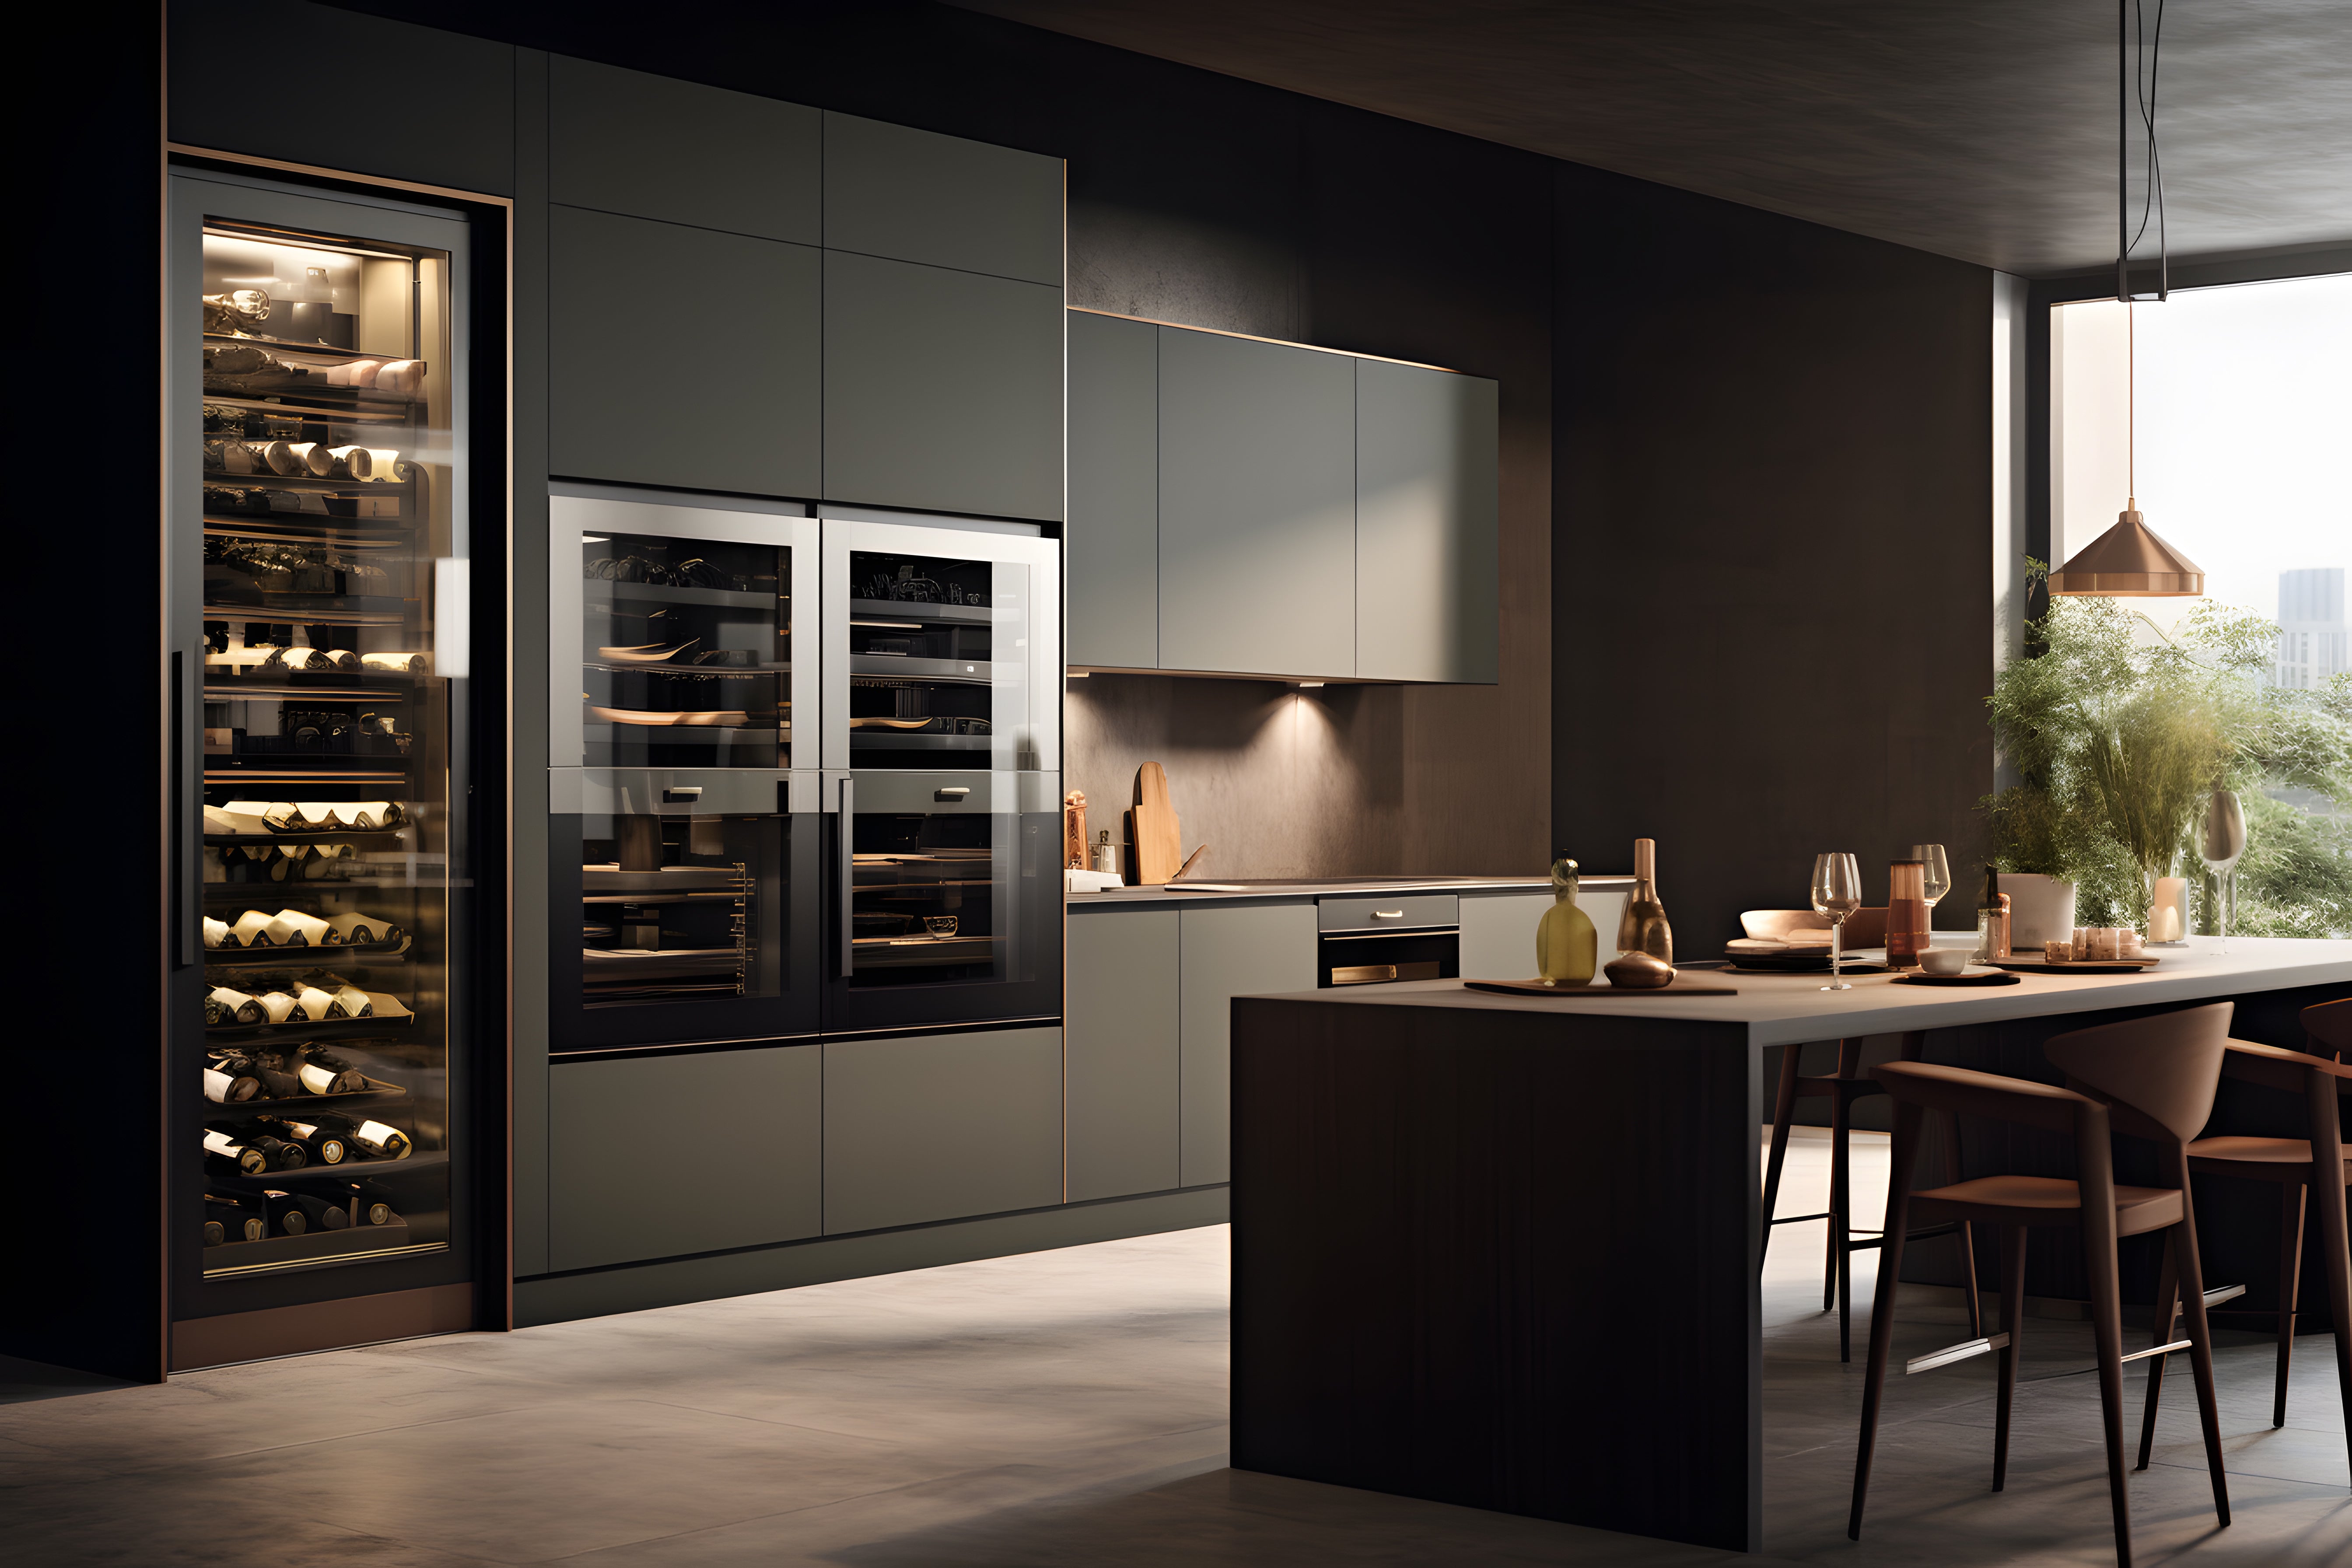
{"type": "Point", "coordinates": [1342, 887]}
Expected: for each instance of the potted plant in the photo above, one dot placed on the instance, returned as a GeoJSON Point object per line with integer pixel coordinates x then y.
{"type": "Point", "coordinates": [2118, 735]}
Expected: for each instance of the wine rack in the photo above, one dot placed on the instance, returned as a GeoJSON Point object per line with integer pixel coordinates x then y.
{"type": "Point", "coordinates": [328, 485]}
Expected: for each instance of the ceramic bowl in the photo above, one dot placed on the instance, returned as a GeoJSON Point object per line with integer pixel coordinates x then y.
{"type": "Point", "coordinates": [1944, 960]}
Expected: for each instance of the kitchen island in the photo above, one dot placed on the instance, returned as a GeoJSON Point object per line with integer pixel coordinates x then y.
{"type": "Point", "coordinates": [1501, 1250]}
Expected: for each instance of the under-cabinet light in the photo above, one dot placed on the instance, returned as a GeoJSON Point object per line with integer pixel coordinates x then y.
{"type": "Point", "coordinates": [1309, 685]}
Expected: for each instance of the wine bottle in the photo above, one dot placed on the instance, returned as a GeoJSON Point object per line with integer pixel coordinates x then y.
{"type": "Point", "coordinates": [281, 1154]}
{"type": "Point", "coordinates": [224, 1005]}
{"type": "Point", "coordinates": [1566, 944]}
{"type": "Point", "coordinates": [231, 1081]}
{"type": "Point", "coordinates": [376, 1212]}
{"type": "Point", "coordinates": [316, 1141]}
{"type": "Point", "coordinates": [379, 1140]}
{"type": "Point", "coordinates": [1642, 928]}
{"type": "Point", "coordinates": [321, 1213]}
{"type": "Point", "coordinates": [1906, 913]}
{"type": "Point", "coordinates": [1993, 920]}
{"type": "Point", "coordinates": [286, 1215]}
{"type": "Point", "coordinates": [226, 1155]}
{"type": "Point", "coordinates": [228, 1220]}
{"type": "Point", "coordinates": [323, 1072]}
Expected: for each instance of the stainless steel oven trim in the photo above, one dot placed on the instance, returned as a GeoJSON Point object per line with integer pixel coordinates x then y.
{"type": "Point", "coordinates": [571, 510]}
{"type": "Point", "coordinates": [732, 791]}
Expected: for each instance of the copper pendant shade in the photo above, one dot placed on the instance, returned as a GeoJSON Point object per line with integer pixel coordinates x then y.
{"type": "Point", "coordinates": [2129, 562]}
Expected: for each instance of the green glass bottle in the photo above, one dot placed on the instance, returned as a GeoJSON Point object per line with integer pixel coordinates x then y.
{"type": "Point", "coordinates": [1566, 944]}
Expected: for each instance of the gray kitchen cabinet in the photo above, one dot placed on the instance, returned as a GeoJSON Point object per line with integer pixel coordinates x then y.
{"type": "Point", "coordinates": [1427, 593]}
{"type": "Point", "coordinates": [1122, 1051]}
{"type": "Point", "coordinates": [942, 390]}
{"type": "Point", "coordinates": [915, 195]}
{"type": "Point", "coordinates": [1111, 545]}
{"type": "Point", "coordinates": [683, 356]}
{"type": "Point", "coordinates": [1237, 951]}
{"type": "Point", "coordinates": [665, 1155]}
{"type": "Point", "coordinates": [932, 1127]}
{"type": "Point", "coordinates": [1498, 935]}
{"type": "Point", "coordinates": [1257, 507]}
{"type": "Point", "coordinates": [649, 146]}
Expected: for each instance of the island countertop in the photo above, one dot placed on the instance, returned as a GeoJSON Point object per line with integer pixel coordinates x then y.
{"type": "Point", "coordinates": [1251, 891]}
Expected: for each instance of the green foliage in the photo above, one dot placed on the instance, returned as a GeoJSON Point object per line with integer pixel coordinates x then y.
{"type": "Point", "coordinates": [2118, 735]}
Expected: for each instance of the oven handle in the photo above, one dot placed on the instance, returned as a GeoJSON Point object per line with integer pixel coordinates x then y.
{"type": "Point", "coordinates": [1386, 932]}
{"type": "Point", "coordinates": [848, 879]}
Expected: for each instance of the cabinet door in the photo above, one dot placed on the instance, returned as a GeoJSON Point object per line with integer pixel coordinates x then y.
{"type": "Point", "coordinates": [318, 85]}
{"type": "Point", "coordinates": [1257, 507]}
{"type": "Point", "coordinates": [626, 142]}
{"type": "Point", "coordinates": [1122, 1049]}
{"type": "Point", "coordinates": [1225, 954]}
{"type": "Point", "coordinates": [682, 356]}
{"type": "Point", "coordinates": [661, 1156]}
{"type": "Point", "coordinates": [915, 195]}
{"type": "Point", "coordinates": [1112, 543]}
{"type": "Point", "coordinates": [940, 1127]}
{"type": "Point", "coordinates": [1498, 935]}
{"type": "Point", "coordinates": [1427, 594]}
{"type": "Point", "coordinates": [942, 390]}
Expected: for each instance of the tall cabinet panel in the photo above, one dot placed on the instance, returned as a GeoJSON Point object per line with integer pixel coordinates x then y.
{"type": "Point", "coordinates": [933, 1127]}
{"type": "Point", "coordinates": [942, 389]}
{"type": "Point", "coordinates": [1123, 1053]}
{"type": "Point", "coordinates": [1225, 953]}
{"type": "Point", "coordinates": [915, 195]}
{"type": "Point", "coordinates": [1113, 537]}
{"type": "Point", "coordinates": [1257, 507]}
{"type": "Point", "coordinates": [683, 356]}
{"type": "Point", "coordinates": [625, 142]}
{"type": "Point", "coordinates": [1426, 588]}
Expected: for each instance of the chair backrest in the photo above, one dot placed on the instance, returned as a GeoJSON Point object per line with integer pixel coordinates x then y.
{"type": "Point", "coordinates": [2166, 1067]}
{"type": "Point", "coordinates": [2329, 1024]}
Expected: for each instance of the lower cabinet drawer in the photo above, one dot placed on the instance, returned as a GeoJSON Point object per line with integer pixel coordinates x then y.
{"type": "Point", "coordinates": [932, 1127]}
{"type": "Point", "coordinates": [663, 1155]}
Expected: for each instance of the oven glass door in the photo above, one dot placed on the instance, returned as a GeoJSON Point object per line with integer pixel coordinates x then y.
{"type": "Point", "coordinates": [673, 634]}
{"type": "Point", "coordinates": [695, 894]}
{"type": "Point", "coordinates": [945, 895]}
{"type": "Point", "coordinates": [942, 649]}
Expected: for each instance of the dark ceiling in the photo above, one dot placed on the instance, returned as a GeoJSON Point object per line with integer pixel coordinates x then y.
{"type": "Point", "coordinates": [1983, 129]}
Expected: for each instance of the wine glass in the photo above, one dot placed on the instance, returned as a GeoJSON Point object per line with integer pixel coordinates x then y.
{"type": "Point", "coordinates": [1837, 893]}
{"type": "Point", "coordinates": [2221, 840]}
{"type": "Point", "coordinates": [1939, 870]}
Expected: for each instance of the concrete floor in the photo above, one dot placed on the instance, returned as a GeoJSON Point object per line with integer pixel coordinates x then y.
{"type": "Point", "coordinates": [1064, 1407]}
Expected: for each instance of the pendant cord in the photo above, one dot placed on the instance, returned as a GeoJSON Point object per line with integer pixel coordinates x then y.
{"type": "Point", "coordinates": [2131, 403]}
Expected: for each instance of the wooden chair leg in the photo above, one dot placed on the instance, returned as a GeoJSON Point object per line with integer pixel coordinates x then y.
{"type": "Point", "coordinates": [1835, 1253]}
{"type": "Point", "coordinates": [2012, 1321]}
{"type": "Point", "coordinates": [2108, 1333]}
{"type": "Point", "coordinates": [2167, 1307]}
{"type": "Point", "coordinates": [2291, 1204]}
{"type": "Point", "coordinates": [1882, 1309]}
{"type": "Point", "coordinates": [2200, 1353]}
{"type": "Point", "coordinates": [1784, 1111]}
{"type": "Point", "coordinates": [2334, 1234]}
{"type": "Point", "coordinates": [1968, 1232]}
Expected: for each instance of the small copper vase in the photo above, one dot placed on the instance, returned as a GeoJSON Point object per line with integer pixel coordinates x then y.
{"type": "Point", "coordinates": [1639, 972]}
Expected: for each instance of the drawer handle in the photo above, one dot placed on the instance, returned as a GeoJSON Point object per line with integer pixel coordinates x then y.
{"type": "Point", "coordinates": [1388, 914]}
{"type": "Point", "coordinates": [958, 793]}
{"type": "Point", "coordinates": [685, 796]}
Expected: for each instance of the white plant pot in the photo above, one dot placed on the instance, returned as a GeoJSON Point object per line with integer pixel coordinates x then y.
{"type": "Point", "coordinates": [2041, 909]}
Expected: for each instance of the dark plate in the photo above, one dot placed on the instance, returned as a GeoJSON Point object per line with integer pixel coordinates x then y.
{"type": "Point", "coordinates": [1996, 978]}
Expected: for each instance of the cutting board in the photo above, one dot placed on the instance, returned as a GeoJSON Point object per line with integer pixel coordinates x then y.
{"type": "Point", "coordinates": [1159, 851]}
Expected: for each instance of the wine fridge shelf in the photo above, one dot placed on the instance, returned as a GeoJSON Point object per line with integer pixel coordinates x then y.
{"type": "Point", "coordinates": [662, 592]}
{"type": "Point", "coordinates": [235, 1034]}
{"type": "Point", "coordinates": [279, 957]}
{"type": "Point", "coordinates": [338, 688]}
{"type": "Point", "coordinates": [378, 1092]}
{"type": "Point", "coordinates": [352, 1170]}
{"type": "Point", "coordinates": [331, 614]}
{"type": "Point", "coordinates": [311, 1246]}
{"type": "Point", "coordinates": [228, 479]}
{"type": "Point", "coordinates": [886, 610]}
{"type": "Point", "coordinates": [297, 528]}
{"type": "Point", "coordinates": [255, 840]}
{"type": "Point", "coordinates": [314, 411]}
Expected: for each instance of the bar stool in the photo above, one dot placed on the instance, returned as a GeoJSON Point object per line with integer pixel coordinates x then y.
{"type": "Point", "coordinates": [2299, 1166]}
{"type": "Point", "coordinates": [2150, 1078]}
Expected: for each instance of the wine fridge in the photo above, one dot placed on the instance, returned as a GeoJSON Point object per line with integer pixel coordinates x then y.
{"type": "Point", "coordinates": [318, 419]}
{"type": "Point", "coordinates": [684, 841]}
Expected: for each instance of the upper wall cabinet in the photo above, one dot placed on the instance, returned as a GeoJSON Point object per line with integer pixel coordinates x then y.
{"type": "Point", "coordinates": [1253, 508]}
{"type": "Point", "coordinates": [625, 142]}
{"type": "Point", "coordinates": [682, 356]}
{"type": "Point", "coordinates": [942, 389]}
{"type": "Point", "coordinates": [315, 85]}
{"type": "Point", "coordinates": [1427, 567]}
{"type": "Point", "coordinates": [914, 195]}
{"type": "Point", "coordinates": [1112, 543]}
{"type": "Point", "coordinates": [1257, 504]}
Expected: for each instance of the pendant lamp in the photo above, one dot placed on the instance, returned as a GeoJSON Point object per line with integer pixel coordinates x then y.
{"type": "Point", "coordinates": [2129, 560]}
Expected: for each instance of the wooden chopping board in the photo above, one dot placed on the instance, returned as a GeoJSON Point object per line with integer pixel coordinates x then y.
{"type": "Point", "coordinates": [1159, 850]}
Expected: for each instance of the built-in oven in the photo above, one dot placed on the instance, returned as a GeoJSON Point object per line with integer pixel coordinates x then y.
{"type": "Point", "coordinates": [943, 897]}
{"type": "Point", "coordinates": [685, 871]}
{"type": "Point", "coordinates": [1372, 942]}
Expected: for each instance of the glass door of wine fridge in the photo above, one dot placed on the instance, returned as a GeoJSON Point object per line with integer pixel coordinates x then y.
{"type": "Point", "coordinates": [318, 421]}
{"type": "Point", "coordinates": [684, 841]}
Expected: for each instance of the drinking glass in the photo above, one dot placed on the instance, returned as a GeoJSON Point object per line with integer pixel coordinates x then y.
{"type": "Point", "coordinates": [1837, 893]}
{"type": "Point", "coordinates": [1939, 870]}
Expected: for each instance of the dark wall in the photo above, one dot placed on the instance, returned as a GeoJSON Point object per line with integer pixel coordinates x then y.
{"type": "Point", "coordinates": [1772, 585]}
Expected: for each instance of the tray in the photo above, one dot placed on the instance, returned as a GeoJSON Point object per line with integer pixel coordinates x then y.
{"type": "Point", "coordinates": [1684, 984]}
{"type": "Point", "coordinates": [1996, 978]}
{"type": "Point", "coordinates": [2075, 966]}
